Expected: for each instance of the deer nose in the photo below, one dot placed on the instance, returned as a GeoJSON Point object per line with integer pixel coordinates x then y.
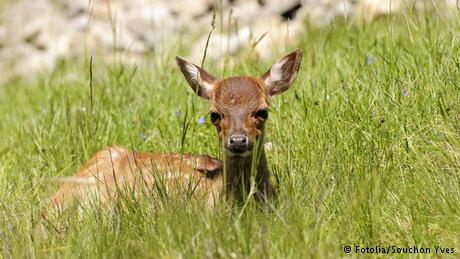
{"type": "Point", "coordinates": [238, 143]}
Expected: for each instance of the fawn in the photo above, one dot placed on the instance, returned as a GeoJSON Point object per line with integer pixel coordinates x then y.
{"type": "Point", "coordinates": [118, 171]}
{"type": "Point", "coordinates": [238, 109]}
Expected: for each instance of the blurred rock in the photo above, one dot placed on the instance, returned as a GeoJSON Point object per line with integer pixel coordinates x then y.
{"type": "Point", "coordinates": [36, 34]}
{"type": "Point", "coordinates": [258, 28]}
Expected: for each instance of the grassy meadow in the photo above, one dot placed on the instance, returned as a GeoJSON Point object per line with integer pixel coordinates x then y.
{"type": "Point", "coordinates": [366, 150]}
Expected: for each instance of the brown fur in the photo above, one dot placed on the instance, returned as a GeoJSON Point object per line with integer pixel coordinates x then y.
{"type": "Point", "coordinates": [237, 99]}
{"type": "Point", "coordinates": [117, 170]}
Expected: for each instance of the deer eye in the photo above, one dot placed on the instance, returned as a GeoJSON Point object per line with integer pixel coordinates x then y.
{"type": "Point", "coordinates": [261, 114]}
{"type": "Point", "coordinates": [214, 117]}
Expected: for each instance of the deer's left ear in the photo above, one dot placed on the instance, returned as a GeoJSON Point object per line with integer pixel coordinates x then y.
{"type": "Point", "coordinates": [283, 73]}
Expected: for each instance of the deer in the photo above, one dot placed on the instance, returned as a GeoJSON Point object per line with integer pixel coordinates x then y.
{"type": "Point", "coordinates": [238, 108]}
{"type": "Point", "coordinates": [117, 171]}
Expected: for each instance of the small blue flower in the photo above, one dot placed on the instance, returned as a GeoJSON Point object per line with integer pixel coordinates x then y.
{"type": "Point", "coordinates": [178, 113]}
{"type": "Point", "coordinates": [404, 92]}
{"type": "Point", "coordinates": [201, 120]}
{"type": "Point", "coordinates": [369, 59]}
{"type": "Point", "coordinates": [142, 136]}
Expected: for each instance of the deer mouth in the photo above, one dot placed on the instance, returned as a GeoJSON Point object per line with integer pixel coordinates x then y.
{"type": "Point", "coordinates": [239, 152]}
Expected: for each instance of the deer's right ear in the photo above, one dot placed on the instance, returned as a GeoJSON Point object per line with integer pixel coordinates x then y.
{"type": "Point", "coordinates": [199, 79]}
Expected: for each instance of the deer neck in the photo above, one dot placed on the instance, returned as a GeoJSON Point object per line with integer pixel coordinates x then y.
{"type": "Point", "coordinates": [244, 173]}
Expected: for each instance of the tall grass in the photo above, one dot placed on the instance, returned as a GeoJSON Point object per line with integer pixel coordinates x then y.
{"type": "Point", "coordinates": [366, 150]}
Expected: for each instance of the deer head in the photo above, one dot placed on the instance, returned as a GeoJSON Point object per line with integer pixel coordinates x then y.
{"type": "Point", "coordinates": [239, 105]}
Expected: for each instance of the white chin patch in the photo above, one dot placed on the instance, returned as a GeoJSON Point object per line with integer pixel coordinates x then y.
{"type": "Point", "coordinates": [244, 154]}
